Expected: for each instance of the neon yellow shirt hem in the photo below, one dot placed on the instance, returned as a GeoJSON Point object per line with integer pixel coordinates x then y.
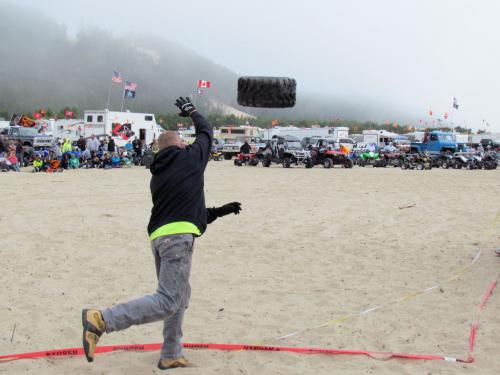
{"type": "Point", "coordinates": [178, 227]}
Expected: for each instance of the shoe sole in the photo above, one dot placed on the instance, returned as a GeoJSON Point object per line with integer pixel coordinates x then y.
{"type": "Point", "coordinates": [87, 327]}
{"type": "Point", "coordinates": [175, 365]}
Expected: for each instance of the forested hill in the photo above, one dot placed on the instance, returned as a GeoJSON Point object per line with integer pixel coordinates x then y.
{"type": "Point", "coordinates": [41, 66]}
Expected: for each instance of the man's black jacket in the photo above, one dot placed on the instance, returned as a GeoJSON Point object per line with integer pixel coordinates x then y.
{"type": "Point", "coordinates": [177, 182]}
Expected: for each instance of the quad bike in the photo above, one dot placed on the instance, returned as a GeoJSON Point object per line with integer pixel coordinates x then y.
{"type": "Point", "coordinates": [460, 160]}
{"type": "Point", "coordinates": [443, 160]}
{"type": "Point", "coordinates": [246, 159]}
{"type": "Point", "coordinates": [389, 159]}
{"type": "Point", "coordinates": [417, 161]}
{"type": "Point", "coordinates": [490, 161]}
{"type": "Point", "coordinates": [329, 158]}
{"type": "Point", "coordinates": [216, 156]}
{"type": "Point", "coordinates": [368, 158]}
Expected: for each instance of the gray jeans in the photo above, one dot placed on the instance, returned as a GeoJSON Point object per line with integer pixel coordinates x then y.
{"type": "Point", "coordinates": [173, 256]}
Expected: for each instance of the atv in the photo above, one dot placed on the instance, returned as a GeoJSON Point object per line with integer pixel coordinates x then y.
{"type": "Point", "coordinates": [417, 161]}
{"type": "Point", "coordinates": [389, 159]}
{"type": "Point", "coordinates": [368, 158]}
{"type": "Point", "coordinates": [216, 156]}
{"type": "Point", "coordinates": [246, 159]}
{"type": "Point", "coordinates": [490, 161]}
{"type": "Point", "coordinates": [329, 158]}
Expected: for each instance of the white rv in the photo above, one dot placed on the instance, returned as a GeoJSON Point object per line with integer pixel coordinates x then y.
{"type": "Point", "coordinates": [122, 126]}
{"type": "Point", "coordinates": [380, 138]}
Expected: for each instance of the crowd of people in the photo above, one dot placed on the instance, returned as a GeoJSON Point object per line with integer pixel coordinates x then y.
{"type": "Point", "coordinates": [65, 154]}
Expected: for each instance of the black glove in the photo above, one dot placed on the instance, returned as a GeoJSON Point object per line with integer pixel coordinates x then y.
{"type": "Point", "coordinates": [230, 208]}
{"type": "Point", "coordinates": [184, 104]}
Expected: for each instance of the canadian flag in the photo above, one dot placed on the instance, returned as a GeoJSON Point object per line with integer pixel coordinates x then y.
{"type": "Point", "coordinates": [204, 84]}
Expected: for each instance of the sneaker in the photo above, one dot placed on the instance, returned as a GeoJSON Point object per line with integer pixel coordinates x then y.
{"type": "Point", "coordinates": [165, 364]}
{"type": "Point", "coordinates": [93, 327]}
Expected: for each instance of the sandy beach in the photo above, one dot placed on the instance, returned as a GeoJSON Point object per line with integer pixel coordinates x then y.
{"type": "Point", "coordinates": [310, 247]}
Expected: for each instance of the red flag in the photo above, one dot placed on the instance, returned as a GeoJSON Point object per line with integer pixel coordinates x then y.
{"type": "Point", "coordinates": [204, 84]}
{"type": "Point", "coordinates": [37, 115]}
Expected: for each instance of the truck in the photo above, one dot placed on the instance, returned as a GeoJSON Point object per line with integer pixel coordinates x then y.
{"type": "Point", "coordinates": [124, 127]}
{"type": "Point", "coordinates": [30, 137]}
{"type": "Point", "coordinates": [435, 142]}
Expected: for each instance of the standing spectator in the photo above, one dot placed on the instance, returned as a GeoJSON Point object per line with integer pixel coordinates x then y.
{"type": "Point", "coordinates": [3, 146]}
{"type": "Point", "coordinates": [111, 145]}
{"type": "Point", "coordinates": [103, 146]}
{"type": "Point", "coordinates": [93, 144]}
{"type": "Point", "coordinates": [66, 147]}
{"type": "Point", "coordinates": [56, 149]}
{"type": "Point", "coordinates": [20, 153]}
{"type": "Point", "coordinates": [81, 143]}
{"type": "Point", "coordinates": [137, 146]}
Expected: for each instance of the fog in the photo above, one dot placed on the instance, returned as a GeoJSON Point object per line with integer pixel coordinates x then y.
{"type": "Point", "coordinates": [408, 57]}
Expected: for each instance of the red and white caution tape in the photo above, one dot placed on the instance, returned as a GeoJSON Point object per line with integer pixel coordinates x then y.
{"type": "Point", "coordinates": [71, 352]}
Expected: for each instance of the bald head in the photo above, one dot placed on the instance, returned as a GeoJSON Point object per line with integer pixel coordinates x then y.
{"type": "Point", "coordinates": [169, 138]}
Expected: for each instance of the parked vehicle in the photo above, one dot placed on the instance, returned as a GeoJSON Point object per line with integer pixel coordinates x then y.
{"type": "Point", "coordinates": [30, 137]}
{"type": "Point", "coordinates": [368, 158]}
{"type": "Point", "coordinates": [246, 159]}
{"type": "Point", "coordinates": [417, 161]}
{"type": "Point", "coordinates": [493, 145]}
{"type": "Point", "coordinates": [286, 151]}
{"type": "Point", "coordinates": [324, 153]}
{"type": "Point", "coordinates": [122, 126]}
{"type": "Point", "coordinates": [231, 148]}
{"type": "Point", "coordinates": [435, 142]}
{"type": "Point", "coordinates": [389, 159]}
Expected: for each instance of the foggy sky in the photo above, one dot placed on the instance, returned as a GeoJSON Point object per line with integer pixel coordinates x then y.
{"type": "Point", "coordinates": [412, 55]}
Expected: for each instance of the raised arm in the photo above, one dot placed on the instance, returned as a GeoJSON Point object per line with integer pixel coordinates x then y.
{"type": "Point", "coordinates": [204, 133]}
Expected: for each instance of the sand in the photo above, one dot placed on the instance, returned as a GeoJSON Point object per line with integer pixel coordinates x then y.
{"type": "Point", "coordinates": [310, 246]}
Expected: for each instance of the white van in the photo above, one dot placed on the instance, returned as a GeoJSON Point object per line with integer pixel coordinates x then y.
{"type": "Point", "coordinates": [123, 126]}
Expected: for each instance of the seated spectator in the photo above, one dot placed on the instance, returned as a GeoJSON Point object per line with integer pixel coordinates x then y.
{"type": "Point", "coordinates": [115, 161]}
{"type": "Point", "coordinates": [65, 161]}
{"type": "Point", "coordinates": [126, 162]}
{"type": "Point", "coordinates": [74, 162]}
{"type": "Point", "coordinates": [106, 162]}
{"type": "Point", "coordinates": [37, 164]}
{"type": "Point", "coordinates": [4, 164]}
{"type": "Point", "coordinates": [55, 165]}
{"type": "Point", "coordinates": [12, 159]}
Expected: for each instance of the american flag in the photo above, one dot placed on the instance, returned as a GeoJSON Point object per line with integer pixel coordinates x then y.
{"type": "Point", "coordinates": [131, 86]}
{"type": "Point", "coordinates": [117, 78]}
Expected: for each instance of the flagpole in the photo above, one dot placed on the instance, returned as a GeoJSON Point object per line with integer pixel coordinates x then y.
{"type": "Point", "coordinates": [123, 96]}
{"type": "Point", "coordinates": [195, 94]}
{"type": "Point", "coordinates": [108, 104]}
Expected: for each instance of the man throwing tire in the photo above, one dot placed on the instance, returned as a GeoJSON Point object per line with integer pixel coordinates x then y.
{"type": "Point", "coordinates": [177, 218]}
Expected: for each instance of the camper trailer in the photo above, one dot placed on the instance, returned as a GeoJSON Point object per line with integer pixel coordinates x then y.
{"type": "Point", "coordinates": [122, 126]}
{"type": "Point", "coordinates": [380, 138]}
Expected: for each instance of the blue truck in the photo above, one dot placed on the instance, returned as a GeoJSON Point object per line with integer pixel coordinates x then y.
{"type": "Point", "coordinates": [436, 142]}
